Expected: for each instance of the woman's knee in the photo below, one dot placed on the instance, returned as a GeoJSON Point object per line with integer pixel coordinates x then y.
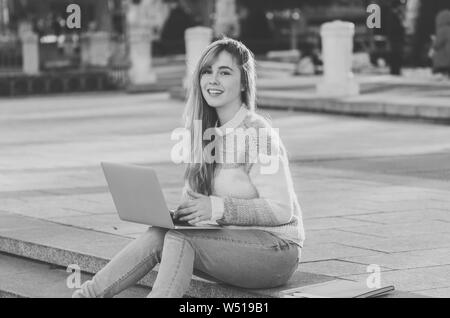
{"type": "Point", "coordinates": [178, 235]}
{"type": "Point", "coordinates": [154, 234]}
{"type": "Point", "coordinates": [152, 239]}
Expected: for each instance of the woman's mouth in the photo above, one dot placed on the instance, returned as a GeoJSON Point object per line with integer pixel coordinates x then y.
{"type": "Point", "coordinates": [214, 92]}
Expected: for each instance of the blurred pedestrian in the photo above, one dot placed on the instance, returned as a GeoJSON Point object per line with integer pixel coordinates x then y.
{"type": "Point", "coordinates": [441, 44]}
{"type": "Point", "coordinates": [255, 29]}
{"type": "Point", "coordinates": [172, 33]}
{"type": "Point", "coordinates": [395, 36]}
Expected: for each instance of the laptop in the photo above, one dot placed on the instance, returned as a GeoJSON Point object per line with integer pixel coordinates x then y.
{"type": "Point", "coordinates": [138, 197]}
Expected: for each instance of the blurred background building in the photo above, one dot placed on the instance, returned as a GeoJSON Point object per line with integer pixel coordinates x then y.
{"type": "Point", "coordinates": [101, 46]}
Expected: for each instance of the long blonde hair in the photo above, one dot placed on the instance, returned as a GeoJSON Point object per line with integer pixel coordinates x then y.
{"type": "Point", "coordinates": [200, 174]}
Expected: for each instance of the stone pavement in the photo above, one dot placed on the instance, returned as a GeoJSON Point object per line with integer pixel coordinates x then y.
{"type": "Point", "coordinates": [373, 191]}
{"type": "Point", "coordinates": [381, 95]}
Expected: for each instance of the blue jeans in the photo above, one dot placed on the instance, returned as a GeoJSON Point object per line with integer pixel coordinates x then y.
{"type": "Point", "coordinates": [243, 258]}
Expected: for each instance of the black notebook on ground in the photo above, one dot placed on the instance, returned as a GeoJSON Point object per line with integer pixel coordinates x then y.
{"type": "Point", "coordinates": [337, 289]}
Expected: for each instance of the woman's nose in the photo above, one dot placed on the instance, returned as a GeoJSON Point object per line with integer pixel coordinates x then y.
{"type": "Point", "coordinates": [213, 79]}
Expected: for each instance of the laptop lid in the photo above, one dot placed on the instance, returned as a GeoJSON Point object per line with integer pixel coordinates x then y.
{"type": "Point", "coordinates": [137, 194]}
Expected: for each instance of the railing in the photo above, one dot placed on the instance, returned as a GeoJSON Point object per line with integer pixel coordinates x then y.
{"type": "Point", "coordinates": [118, 62]}
{"type": "Point", "coordinates": [118, 76]}
{"type": "Point", "coordinates": [55, 82]}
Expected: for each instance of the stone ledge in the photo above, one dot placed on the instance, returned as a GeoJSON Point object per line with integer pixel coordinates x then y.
{"type": "Point", "coordinates": [360, 108]}
{"type": "Point", "coordinates": [25, 278]}
{"type": "Point", "coordinates": [62, 245]}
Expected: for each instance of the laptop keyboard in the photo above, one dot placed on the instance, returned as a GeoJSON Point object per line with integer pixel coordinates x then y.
{"type": "Point", "coordinates": [177, 222]}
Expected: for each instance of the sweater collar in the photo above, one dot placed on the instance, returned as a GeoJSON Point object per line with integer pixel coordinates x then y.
{"type": "Point", "coordinates": [233, 122]}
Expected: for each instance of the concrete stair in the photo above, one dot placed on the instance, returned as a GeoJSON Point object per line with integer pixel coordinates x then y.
{"type": "Point", "coordinates": [48, 248]}
{"type": "Point", "coordinates": [25, 278]}
{"type": "Point", "coordinates": [34, 256]}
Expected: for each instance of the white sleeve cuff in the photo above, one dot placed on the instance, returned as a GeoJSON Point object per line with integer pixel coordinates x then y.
{"type": "Point", "coordinates": [217, 207]}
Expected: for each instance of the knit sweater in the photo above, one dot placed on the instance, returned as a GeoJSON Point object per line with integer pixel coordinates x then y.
{"type": "Point", "coordinates": [252, 187]}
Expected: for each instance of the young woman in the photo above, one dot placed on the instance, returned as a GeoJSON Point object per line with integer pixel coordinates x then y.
{"type": "Point", "coordinates": [260, 242]}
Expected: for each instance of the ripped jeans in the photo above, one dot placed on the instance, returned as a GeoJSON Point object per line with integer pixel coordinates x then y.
{"type": "Point", "coordinates": [243, 258]}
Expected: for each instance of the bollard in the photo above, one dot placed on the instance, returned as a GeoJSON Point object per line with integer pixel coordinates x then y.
{"type": "Point", "coordinates": [196, 40]}
{"type": "Point", "coordinates": [30, 53]}
{"type": "Point", "coordinates": [337, 52]}
{"type": "Point", "coordinates": [139, 19]}
{"type": "Point", "coordinates": [226, 21]}
{"type": "Point", "coordinates": [140, 54]}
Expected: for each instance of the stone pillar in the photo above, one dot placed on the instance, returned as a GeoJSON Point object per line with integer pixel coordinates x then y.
{"type": "Point", "coordinates": [30, 53]}
{"type": "Point", "coordinates": [140, 36]}
{"type": "Point", "coordinates": [337, 52]}
{"type": "Point", "coordinates": [140, 54]}
{"type": "Point", "coordinates": [196, 40]}
{"type": "Point", "coordinates": [95, 49]}
{"type": "Point", "coordinates": [226, 21]}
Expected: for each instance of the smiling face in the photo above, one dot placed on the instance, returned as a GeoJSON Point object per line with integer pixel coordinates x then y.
{"type": "Point", "coordinates": [221, 82]}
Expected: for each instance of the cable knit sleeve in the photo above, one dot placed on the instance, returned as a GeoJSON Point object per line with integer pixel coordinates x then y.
{"type": "Point", "coordinates": [274, 205]}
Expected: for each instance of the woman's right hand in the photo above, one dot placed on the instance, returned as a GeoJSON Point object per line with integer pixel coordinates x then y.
{"type": "Point", "coordinates": [195, 210]}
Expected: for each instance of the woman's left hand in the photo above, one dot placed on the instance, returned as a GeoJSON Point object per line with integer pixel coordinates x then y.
{"type": "Point", "coordinates": [195, 210]}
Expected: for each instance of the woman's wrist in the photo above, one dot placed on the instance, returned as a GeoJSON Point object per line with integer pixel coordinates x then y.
{"type": "Point", "coordinates": [217, 207]}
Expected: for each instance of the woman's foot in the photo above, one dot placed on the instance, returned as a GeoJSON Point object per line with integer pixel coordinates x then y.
{"type": "Point", "coordinates": [85, 291]}
{"type": "Point", "coordinates": [78, 294]}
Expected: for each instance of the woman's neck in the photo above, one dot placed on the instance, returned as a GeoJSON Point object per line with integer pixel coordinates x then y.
{"type": "Point", "coordinates": [226, 113]}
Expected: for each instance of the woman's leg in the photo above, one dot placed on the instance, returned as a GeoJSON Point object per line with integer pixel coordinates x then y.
{"type": "Point", "coordinates": [244, 258]}
{"type": "Point", "coordinates": [127, 267]}
{"type": "Point", "coordinates": [175, 270]}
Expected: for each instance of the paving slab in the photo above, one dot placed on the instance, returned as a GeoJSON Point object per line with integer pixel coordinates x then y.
{"type": "Point", "coordinates": [412, 279]}
{"type": "Point", "coordinates": [333, 223]}
{"type": "Point", "coordinates": [337, 268]}
{"type": "Point", "coordinates": [407, 260]}
{"type": "Point", "coordinates": [405, 243]}
{"type": "Point", "coordinates": [329, 251]}
{"type": "Point", "coordinates": [316, 237]}
{"type": "Point", "coordinates": [436, 293]}
{"type": "Point", "coordinates": [402, 229]}
{"type": "Point", "coordinates": [404, 217]}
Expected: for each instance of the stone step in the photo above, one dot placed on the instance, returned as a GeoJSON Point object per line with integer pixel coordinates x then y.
{"type": "Point", "coordinates": [62, 245]}
{"type": "Point", "coordinates": [25, 278]}
{"type": "Point", "coordinates": [437, 110]}
{"type": "Point", "coordinates": [44, 250]}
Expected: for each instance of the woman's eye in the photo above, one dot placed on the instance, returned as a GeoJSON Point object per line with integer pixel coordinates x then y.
{"type": "Point", "coordinates": [224, 73]}
{"type": "Point", "coordinates": [206, 72]}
